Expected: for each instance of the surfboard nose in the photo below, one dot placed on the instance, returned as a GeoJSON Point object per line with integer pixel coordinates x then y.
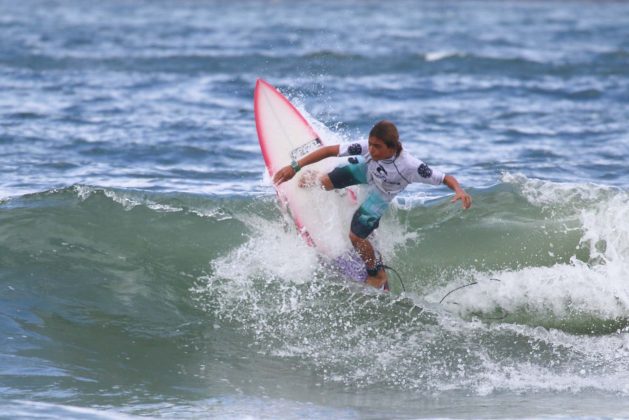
{"type": "Point", "coordinates": [261, 82]}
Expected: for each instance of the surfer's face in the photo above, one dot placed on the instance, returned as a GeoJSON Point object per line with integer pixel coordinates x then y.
{"type": "Point", "coordinates": [379, 150]}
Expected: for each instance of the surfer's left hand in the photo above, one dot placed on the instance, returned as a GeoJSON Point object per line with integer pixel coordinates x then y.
{"type": "Point", "coordinates": [283, 175]}
{"type": "Point", "coordinates": [465, 198]}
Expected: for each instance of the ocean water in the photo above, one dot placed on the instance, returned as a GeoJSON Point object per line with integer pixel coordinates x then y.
{"type": "Point", "coordinates": [146, 269]}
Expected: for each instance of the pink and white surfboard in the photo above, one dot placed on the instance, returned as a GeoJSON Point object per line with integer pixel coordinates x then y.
{"type": "Point", "coordinates": [322, 217]}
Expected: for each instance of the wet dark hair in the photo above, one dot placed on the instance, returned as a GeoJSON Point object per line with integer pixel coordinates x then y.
{"type": "Point", "coordinates": [387, 132]}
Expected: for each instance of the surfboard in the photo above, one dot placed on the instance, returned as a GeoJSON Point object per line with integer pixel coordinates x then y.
{"type": "Point", "coordinates": [322, 217]}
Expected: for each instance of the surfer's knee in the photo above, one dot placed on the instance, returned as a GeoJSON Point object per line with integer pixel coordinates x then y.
{"type": "Point", "coordinates": [356, 240]}
{"type": "Point", "coordinates": [326, 182]}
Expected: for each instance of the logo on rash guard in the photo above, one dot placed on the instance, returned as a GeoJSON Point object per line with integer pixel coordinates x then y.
{"type": "Point", "coordinates": [355, 149]}
{"type": "Point", "coordinates": [424, 171]}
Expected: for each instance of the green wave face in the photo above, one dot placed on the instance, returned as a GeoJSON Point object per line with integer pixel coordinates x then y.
{"type": "Point", "coordinates": [92, 273]}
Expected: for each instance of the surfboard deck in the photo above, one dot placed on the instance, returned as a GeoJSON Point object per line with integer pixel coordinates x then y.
{"type": "Point", "coordinates": [322, 217]}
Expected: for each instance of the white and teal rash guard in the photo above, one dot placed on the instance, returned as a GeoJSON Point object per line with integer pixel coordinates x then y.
{"type": "Point", "coordinates": [390, 176]}
{"type": "Point", "coordinates": [385, 178]}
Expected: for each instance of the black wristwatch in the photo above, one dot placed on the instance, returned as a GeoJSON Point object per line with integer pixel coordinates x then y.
{"type": "Point", "coordinates": [295, 165]}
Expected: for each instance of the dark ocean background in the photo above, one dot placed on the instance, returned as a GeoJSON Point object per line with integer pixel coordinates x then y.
{"type": "Point", "coordinates": [147, 270]}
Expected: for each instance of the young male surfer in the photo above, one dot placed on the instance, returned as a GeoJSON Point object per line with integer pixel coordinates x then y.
{"type": "Point", "coordinates": [381, 163]}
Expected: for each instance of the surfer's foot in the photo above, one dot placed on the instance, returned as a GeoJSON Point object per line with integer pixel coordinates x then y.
{"type": "Point", "coordinates": [379, 281]}
{"type": "Point", "coordinates": [309, 179]}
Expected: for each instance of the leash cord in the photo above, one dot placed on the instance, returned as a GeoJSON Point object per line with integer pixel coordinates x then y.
{"type": "Point", "coordinates": [386, 267]}
{"type": "Point", "coordinates": [455, 289]}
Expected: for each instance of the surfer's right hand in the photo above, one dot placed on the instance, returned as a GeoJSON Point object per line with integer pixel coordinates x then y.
{"type": "Point", "coordinates": [283, 175]}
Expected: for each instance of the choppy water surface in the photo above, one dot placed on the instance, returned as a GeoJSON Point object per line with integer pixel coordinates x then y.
{"type": "Point", "coordinates": [146, 270]}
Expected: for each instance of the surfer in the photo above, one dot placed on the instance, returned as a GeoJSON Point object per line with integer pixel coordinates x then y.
{"type": "Point", "coordinates": [387, 168]}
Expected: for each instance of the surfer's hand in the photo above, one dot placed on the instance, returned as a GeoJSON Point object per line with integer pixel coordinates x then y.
{"type": "Point", "coordinates": [465, 198]}
{"type": "Point", "coordinates": [283, 175]}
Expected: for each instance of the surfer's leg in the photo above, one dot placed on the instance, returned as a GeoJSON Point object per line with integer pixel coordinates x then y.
{"type": "Point", "coordinates": [365, 220]}
{"type": "Point", "coordinates": [376, 275]}
{"type": "Point", "coordinates": [353, 172]}
{"type": "Point", "coordinates": [326, 183]}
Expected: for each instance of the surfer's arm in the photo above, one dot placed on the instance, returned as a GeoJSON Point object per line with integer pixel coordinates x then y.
{"type": "Point", "coordinates": [287, 172]}
{"type": "Point", "coordinates": [459, 193]}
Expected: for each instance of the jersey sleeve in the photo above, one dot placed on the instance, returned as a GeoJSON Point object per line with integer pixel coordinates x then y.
{"type": "Point", "coordinates": [419, 171]}
{"type": "Point", "coordinates": [353, 149]}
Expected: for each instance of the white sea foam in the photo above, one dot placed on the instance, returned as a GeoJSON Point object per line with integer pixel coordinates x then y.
{"type": "Point", "coordinates": [127, 199]}
{"type": "Point", "coordinates": [544, 193]}
{"type": "Point", "coordinates": [271, 285]}
{"type": "Point", "coordinates": [596, 288]}
{"type": "Point", "coordinates": [440, 55]}
{"type": "Point", "coordinates": [272, 252]}
{"type": "Point", "coordinates": [132, 199]}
